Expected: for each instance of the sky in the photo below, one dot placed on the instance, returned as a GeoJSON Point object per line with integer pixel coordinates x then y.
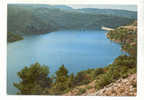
{"type": "Point", "coordinates": [124, 7]}
{"type": "Point", "coordinates": [80, 1]}
{"type": "Point", "coordinates": [102, 4]}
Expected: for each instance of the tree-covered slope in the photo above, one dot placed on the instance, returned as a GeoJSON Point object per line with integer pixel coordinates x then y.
{"type": "Point", "coordinates": [46, 18]}
{"type": "Point", "coordinates": [127, 37]}
{"type": "Point", "coordinates": [122, 13]}
{"type": "Point", "coordinates": [11, 37]}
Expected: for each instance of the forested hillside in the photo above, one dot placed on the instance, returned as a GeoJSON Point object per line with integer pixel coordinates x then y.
{"type": "Point", "coordinates": [122, 13]}
{"type": "Point", "coordinates": [126, 36]}
{"type": "Point", "coordinates": [26, 19]}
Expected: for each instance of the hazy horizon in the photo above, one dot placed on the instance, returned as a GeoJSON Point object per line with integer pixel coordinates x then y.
{"type": "Point", "coordinates": [120, 7]}
{"type": "Point", "coordinates": [98, 6]}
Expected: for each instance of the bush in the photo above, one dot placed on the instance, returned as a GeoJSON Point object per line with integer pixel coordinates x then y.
{"type": "Point", "coordinates": [89, 87]}
{"type": "Point", "coordinates": [34, 80]}
{"type": "Point", "coordinates": [61, 83]}
{"type": "Point", "coordinates": [82, 78]}
{"type": "Point", "coordinates": [98, 71]}
{"type": "Point", "coordinates": [103, 80]}
{"type": "Point", "coordinates": [81, 91]}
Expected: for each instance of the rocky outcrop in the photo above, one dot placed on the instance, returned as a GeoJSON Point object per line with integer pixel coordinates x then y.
{"type": "Point", "coordinates": [122, 87]}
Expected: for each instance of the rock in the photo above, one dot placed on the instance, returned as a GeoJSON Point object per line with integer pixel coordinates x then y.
{"type": "Point", "coordinates": [122, 87]}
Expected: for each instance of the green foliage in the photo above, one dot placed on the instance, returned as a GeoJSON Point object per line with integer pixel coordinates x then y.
{"type": "Point", "coordinates": [62, 77]}
{"type": "Point", "coordinates": [98, 71]}
{"type": "Point", "coordinates": [120, 68]}
{"type": "Point", "coordinates": [71, 80]}
{"type": "Point", "coordinates": [89, 87]}
{"type": "Point", "coordinates": [103, 80]}
{"type": "Point", "coordinates": [127, 37]}
{"type": "Point", "coordinates": [13, 37]}
{"type": "Point", "coordinates": [34, 79]}
{"type": "Point", "coordinates": [83, 77]}
{"type": "Point", "coordinates": [63, 82]}
{"type": "Point", "coordinates": [124, 60]}
{"type": "Point", "coordinates": [38, 19]}
{"type": "Point", "coordinates": [81, 91]}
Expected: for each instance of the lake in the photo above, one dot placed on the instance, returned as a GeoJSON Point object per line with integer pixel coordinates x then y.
{"type": "Point", "coordinates": [77, 50]}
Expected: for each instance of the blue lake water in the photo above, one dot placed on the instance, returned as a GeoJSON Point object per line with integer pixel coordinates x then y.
{"type": "Point", "coordinates": [77, 50]}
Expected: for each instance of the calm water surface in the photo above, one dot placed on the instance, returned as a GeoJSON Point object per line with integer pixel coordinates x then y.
{"type": "Point", "coordinates": [77, 50]}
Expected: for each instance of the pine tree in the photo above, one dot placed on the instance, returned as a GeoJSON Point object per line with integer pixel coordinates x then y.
{"type": "Point", "coordinates": [71, 80]}
{"type": "Point", "coordinates": [34, 80]}
{"type": "Point", "coordinates": [62, 77]}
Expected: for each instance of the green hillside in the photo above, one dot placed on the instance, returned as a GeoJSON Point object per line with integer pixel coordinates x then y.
{"type": "Point", "coordinates": [127, 37]}
{"type": "Point", "coordinates": [28, 19]}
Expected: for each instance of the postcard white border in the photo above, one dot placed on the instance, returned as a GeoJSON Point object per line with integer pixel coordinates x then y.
{"type": "Point", "coordinates": [3, 53]}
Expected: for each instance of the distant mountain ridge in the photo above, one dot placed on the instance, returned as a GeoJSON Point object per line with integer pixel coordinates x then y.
{"type": "Point", "coordinates": [42, 18]}
{"type": "Point", "coordinates": [124, 13]}
{"type": "Point", "coordinates": [41, 5]}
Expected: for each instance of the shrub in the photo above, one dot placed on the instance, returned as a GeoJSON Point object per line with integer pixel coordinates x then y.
{"type": "Point", "coordinates": [34, 80]}
{"type": "Point", "coordinates": [89, 87]}
{"type": "Point", "coordinates": [98, 71]}
{"type": "Point", "coordinates": [103, 80]}
{"type": "Point", "coordinates": [61, 83]}
{"type": "Point", "coordinates": [82, 78]}
{"type": "Point", "coordinates": [81, 91]}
